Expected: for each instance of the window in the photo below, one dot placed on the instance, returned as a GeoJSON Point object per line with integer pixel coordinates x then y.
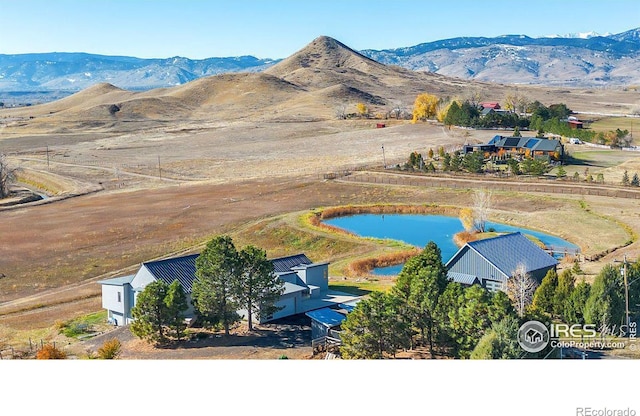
{"type": "Point", "coordinates": [119, 297]}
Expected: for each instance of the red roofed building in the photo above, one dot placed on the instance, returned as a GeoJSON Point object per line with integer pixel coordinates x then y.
{"type": "Point", "coordinates": [490, 104]}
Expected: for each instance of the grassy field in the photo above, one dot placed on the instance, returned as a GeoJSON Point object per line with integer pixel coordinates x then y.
{"type": "Point", "coordinates": [606, 124]}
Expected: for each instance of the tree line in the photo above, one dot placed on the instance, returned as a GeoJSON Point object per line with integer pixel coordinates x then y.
{"type": "Point", "coordinates": [424, 309]}
{"type": "Point", "coordinates": [520, 114]}
{"type": "Point", "coordinates": [227, 280]}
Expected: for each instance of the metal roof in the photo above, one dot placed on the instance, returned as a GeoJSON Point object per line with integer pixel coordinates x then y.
{"type": "Point", "coordinates": [327, 317]}
{"type": "Point", "coordinates": [285, 264]}
{"type": "Point", "coordinates": [182, 269]}
{"type": "Point", "coordinates": [547, 145]}
{"type": "Point", "coordinates": [118, 281]}
{"type": "Point", "coordinates": [292, 288]}
{"type": "Point", "coordinates": [465, 279]}
{"type": "Point", "coordinates": [508, 251]}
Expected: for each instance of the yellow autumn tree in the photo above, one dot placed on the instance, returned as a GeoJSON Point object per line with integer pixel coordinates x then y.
{"type": "Point", "coordinates": [363, 110]}
{"type": "Point", "coordinates": [442, 111]}
{"type": "Point", "coordinates": [466, 217]}
{"type": "Point", "coordinates": [425, 107]}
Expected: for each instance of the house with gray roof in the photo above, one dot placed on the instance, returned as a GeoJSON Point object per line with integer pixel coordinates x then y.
{"type": "Point", "coordinates": [306, 286]}
{"type": "Point", "coordinates": [533, 147]}
{"type": "Point", "coordinates": [492, 261]}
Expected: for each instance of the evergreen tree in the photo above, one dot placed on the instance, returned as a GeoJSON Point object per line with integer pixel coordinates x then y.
{"type": "Point", "coordinates": [635, 181]}
{"type": "Point", "coordinates": [176, 303]}
{"type": "Point", "coordinates": [446, 162]}
{"type": "Point", "coordinates": [605, 306]}
{"type": "Point", "coordinates": [516, 132]}
{"type": "Point", "coordinates": [561, 172]}
{"type": "Point", "coordinates": [217, 270]}
{"type": "Point", "coordinates": [544, 294]}
{"type": "Point", "coordinates": [574, 311]}
{"type": "Point", "coordinates": [258, 289]}
{"type": "Point", "coordinates": [625, 178]}
{"type": "Point", "coordinates": [566, 285]}
{"type": "Point", "coordinates": [150, 312]}
{"type": "Point", "coordinates": [373, 329]}
{"type": "Point", "coordinates": [499, 342]}
{"type": "Point", "coordinates": [418, 286]}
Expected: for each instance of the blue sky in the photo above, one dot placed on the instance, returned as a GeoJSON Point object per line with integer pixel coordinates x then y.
{"type": "Point", "coordinates": [275, 29]}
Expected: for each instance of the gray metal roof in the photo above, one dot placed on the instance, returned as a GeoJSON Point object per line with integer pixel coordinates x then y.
{"type": "Point", "coordinates": [547, 145]}
{"type": "Point", "coordinates": [285, 264]}
{"type": "Point", "coordinates": [463, 278]}
{"type": "Point", "coordinates": [292, 288]}
{"type": "Point", "coordinates": [507, 251]}
{"type": "Point", "coordinates": [182, 269]}
{"type": "Point", "coordinates": [117, 281]}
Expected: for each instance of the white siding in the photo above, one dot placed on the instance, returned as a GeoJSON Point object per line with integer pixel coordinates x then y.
{"type": "Point", "coordinates": [110, 296]}
{"type": "Point", "coordinates": [142, 278]}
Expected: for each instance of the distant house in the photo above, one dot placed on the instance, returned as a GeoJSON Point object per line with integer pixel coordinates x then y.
{"type": "Point", "coordinates": [491, 262]}
{"type": "Point", "coordinates": [494, 105]}
{"type": "Point", "coordinates": [532, 147]}
{"type": "Point", "coordinates": [306, 286]}
{"type": "Point", "coordinates": [575, 124]}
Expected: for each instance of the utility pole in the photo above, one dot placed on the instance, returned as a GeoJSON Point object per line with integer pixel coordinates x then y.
{"type": "Point", "coordinates": [384, 159]}
{"type": "Point", "coordinates": [623, 272]}
{"type": "Point", "coordinates": [159, 169]}
{"type": "Point", "coordinates": [48, 157]}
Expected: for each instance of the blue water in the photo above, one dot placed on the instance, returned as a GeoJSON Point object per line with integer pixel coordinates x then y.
{"type": "Point", "coordinates": [418, 230]}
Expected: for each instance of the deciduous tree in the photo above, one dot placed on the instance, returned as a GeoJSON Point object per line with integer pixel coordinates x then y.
{"type": "Point", "coordinates": [7, 175]}
{"type": "Point", "coordinates": [424, 107]}
{"type": "Point", "coordinates": [481, 207]}
{"type": "Point", "coordinates": [520, 288]}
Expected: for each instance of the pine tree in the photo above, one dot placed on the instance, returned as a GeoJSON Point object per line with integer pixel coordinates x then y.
{"type": "Point", "coordinates": [544, 295]}
{"type": "Point", "coordinates": [176, 302]}
{"type": "Point", "coordinates": [150, 313]}
{"type": "Point", "coordinates": [258, 289]}
{"type": "Point", "coordinates": [625, 178]}
{"type": "Point", "coordinates": [217, 270]}
{"type": "Point", "coordinates": [566, 285]}
{"type": "Point", "coordinates": [635, 181]}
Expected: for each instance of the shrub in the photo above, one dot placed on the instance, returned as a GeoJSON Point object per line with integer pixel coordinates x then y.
{"type": "Point", "coordinates": [110, 350]}
{"type": "Point", "coordinates": [50, 352]}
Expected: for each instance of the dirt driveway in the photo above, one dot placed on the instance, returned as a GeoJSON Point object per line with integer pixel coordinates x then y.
{"type": "Point", "coordinates": [290, 338]}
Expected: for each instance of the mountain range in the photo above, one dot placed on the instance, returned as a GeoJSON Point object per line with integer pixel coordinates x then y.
{"type": "Point", "coordinates": [320, 82]}
{"type": "Point", "coordinates": [587, 61]}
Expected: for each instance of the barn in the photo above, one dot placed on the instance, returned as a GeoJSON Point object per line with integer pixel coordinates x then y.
{"type": "Point", "coordinates": [491, 262]}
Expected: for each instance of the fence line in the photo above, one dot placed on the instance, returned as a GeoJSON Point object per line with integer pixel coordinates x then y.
{"type": "Point", "coordinates": [460, 183]}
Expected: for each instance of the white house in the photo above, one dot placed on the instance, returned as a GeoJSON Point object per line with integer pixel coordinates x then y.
{"type": "Point", "coordinates": [306, 286]}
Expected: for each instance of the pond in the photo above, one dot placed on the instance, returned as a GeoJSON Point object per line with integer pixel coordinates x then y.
{"type": "Point", "coordinates": [418, 230]}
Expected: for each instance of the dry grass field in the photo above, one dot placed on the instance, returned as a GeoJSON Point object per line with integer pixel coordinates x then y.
{"type": "Point", "coordinates": [246, 154]}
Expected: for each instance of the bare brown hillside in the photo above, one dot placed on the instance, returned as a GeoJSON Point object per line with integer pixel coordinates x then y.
{"type": "Point", "coordinates": [308, 86]}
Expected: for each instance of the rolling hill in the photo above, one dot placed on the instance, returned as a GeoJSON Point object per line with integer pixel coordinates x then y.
{"type": "Point", "coordinates": [312, 84]}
